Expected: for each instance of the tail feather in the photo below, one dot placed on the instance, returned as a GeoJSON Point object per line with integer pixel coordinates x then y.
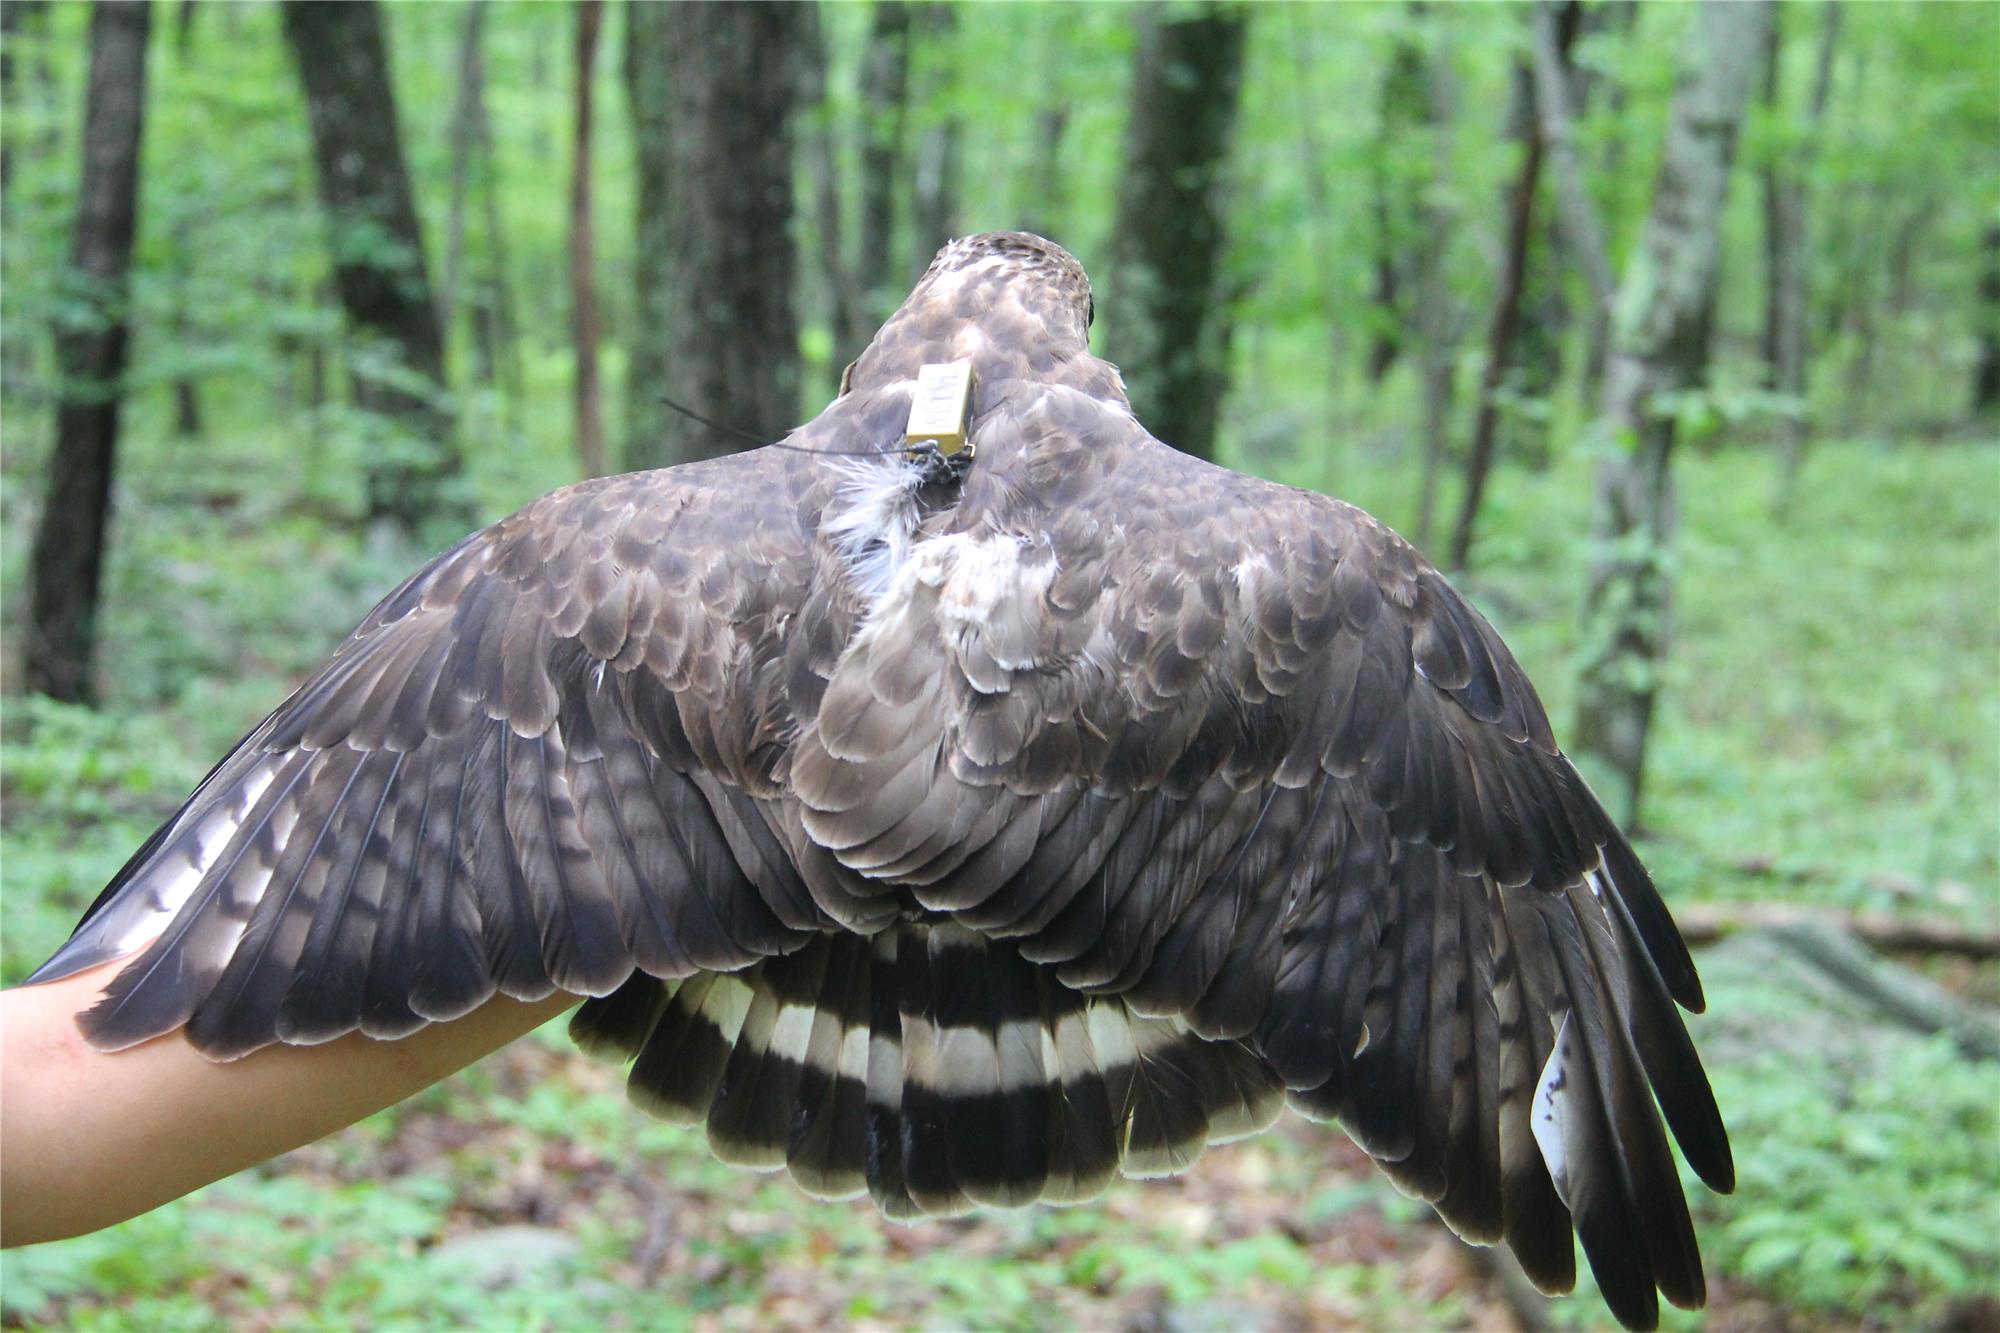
{"type": "Point", "coordinates": [931, 1066]}
{"type": "Point", "coordinates": [827, 1149]}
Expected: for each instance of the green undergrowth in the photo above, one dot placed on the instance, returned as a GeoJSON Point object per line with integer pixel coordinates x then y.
{"type": "Point", "coordinates": [1828, 735]}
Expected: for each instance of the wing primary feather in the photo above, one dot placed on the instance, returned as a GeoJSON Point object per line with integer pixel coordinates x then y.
{"type": "Point", "coordinates": [143, 1001]}
{"type": "Point", "coordinates": [390, 974]}
{"type": "Point", "coordinates": [1593, 1171]}
{"type": "Point", "coordinates": [1671, 1064]}
{"type": "Point", "coordinates": [222, 1025]}
{"type": "Point", "coordinates": [327, 984]}
{"type": "Point", "coordinates": [1534, 1217]}
{"type": "Point", "coordinates": [452, 976]}
{"type": "Point", "coordinates": [1647, 1161]}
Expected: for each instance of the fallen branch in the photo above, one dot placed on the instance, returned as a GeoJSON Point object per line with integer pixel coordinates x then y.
{"type": "Point", "coordinates": [1887, 932]}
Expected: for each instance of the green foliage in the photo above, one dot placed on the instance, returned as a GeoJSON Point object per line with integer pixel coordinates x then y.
{"type": "Point", "coordinates": [1858, 1200]}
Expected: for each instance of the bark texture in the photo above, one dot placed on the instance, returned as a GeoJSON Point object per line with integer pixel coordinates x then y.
{"type": "Point", "coordinates": [1171, 336]}
{"type": "Point", "coordinates": [1659, 347]}
{"type": "Point", "coordinates": [396, 350]}
{"type": "Point", "coordinates": [726, 344]}
{"type": "Point", "coordinates": [66, 565]}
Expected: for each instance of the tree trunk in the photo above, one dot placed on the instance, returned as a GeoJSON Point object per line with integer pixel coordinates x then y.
{"type": "Point", "coordinates": [1616, 19]}
{"type": "Point", "coordinates": [1499, 342]}
{"type": "Point", "coordinates": [67, 563]}
{"type": "Point", "coordinates": [10, 32]}
{"type": "Point", "coordinates": [1402, 109]}
{"type": "Point", "coordinates": [583, 250]}
{"type": "Point", "coordinates": [1048, 215]}
{"type": "Point", "coordinates": [17, 19]}
{"type": "Point", "coordinates": [885, 99]}
{"type": "Point", "coordinates": [486, 297]}
{"type": "Point", "coordinates": [836, 281]}
{"type": "Point", "coordinates": [728, 343]}
{"type": "Point", "coordinates": [187, 397]}
{"type": "Point", "coordinates": [397, 364]}
{"type": "Point", "coordinates": [463, 136]}
{"type": "Point", "coordinates": [496, 328]}
{"type": "Point", "coordinates": [1583, 231]}
{"type": "Point", "coordinates": [1659, 348]}
{"type": "Point", "coordinates": [185, 226]}
{"type": "Point", "coordinates": [1986, 370]}
{"type": "Point", "coordinates": [647, 34]}
{"type": "Point", "coordinates": [1323, 232]}
{"type": "Point", "coordinates": [934, 209]}
{"type": "Point", "coordinates": [1542, 330]}
{"type": "Point", "coordinates": [1437, 312]}
{"type": "Point", "coordinates": [1785, 181]}
{"type": "Point", "coordinates": [1169, 331]}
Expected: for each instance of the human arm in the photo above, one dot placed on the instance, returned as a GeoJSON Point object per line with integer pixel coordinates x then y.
{"type": "Point", "coordinates": [90, 1138]}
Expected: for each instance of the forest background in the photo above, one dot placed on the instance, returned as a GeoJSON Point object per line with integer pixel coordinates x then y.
{"type": "Point", "coordinates": [1672, 331]}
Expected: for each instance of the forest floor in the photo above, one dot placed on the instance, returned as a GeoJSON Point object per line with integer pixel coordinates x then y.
{"type": "Point", "coordinates": [1831, 736]}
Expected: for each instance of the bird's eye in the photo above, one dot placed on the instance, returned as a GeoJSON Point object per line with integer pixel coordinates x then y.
{"type": "Point", "coordinates": [1089, 311]}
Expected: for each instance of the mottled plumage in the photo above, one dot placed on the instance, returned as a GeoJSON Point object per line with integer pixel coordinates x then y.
{"type": "Point", "coordinates": [966, 842]}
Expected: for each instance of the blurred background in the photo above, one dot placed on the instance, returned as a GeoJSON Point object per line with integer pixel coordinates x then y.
{"type": "Point", "coordinates": [1672, 331]}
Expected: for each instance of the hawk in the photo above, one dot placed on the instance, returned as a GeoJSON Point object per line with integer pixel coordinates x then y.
{"type": "Point", "coordinates": [965, 829]}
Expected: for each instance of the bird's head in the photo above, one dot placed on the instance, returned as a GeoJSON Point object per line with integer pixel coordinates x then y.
{"type": "Point", "coordinates": [1014, 304]}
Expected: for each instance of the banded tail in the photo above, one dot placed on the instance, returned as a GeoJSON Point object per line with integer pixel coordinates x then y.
{"type": "Point", "coordinates": [930, 1067]}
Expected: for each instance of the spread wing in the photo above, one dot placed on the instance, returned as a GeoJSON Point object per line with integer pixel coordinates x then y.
{"type": "Point", "coordinates": [531, 767]}
{"type": "Point", "coordinates": [1122, 792]}
{"type": "Point", "coordinates": [1234, 753]}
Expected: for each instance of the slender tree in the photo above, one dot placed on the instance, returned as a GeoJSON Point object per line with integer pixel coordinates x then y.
{"type": "Point", "coordinates": [1986, 368]}
{"type": "Point", "coordinates": [1405, 100]}
{"type": "Point", "coordinates": [18, 18]}
{"type": "Point", "coordinates": [1659, 348]}
{"type": "Point", "coordinates": [11, 28]}
{"type": "Point", "coordinates": [1582, 228]}
{"type": "Point", "coordinates": [486, 297]}
{"type": "Point", "coordinates": [646, 417]}
{"type": "Point", "coordinates": [67, 563]}
{"type": "Point", "coordinates": [885, 108]}
{"type": "Point", "coordinates": [1785, 176]}
{"type": "Point", "coordinates": [1438, 310]}
{"type": "Point", "coordinates": [836, 278]}
{"type": "Point", "coordinates": [1500, 332]}
{"type": "Point", "coordinates": [1171, 334]}
{"type": "Point", "coordinates": [583, 250]}
{"type": "Point", "coordinates": [1321, 227]}
{"type": "Point", "coordinates": [183, 229]}
{"type": "Point", "coordinates": [396, 360]}
{"type": "Point", "coordinates": [464, 140]}
{"type": "Point", "coordinates": [935, 189]}
{"type": "Point", "coordinates": [1047, 211]}
{"type": "Point", "coordinates": [1506, 320]}
{"type": "Point", "coordinates": [728, 341]}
